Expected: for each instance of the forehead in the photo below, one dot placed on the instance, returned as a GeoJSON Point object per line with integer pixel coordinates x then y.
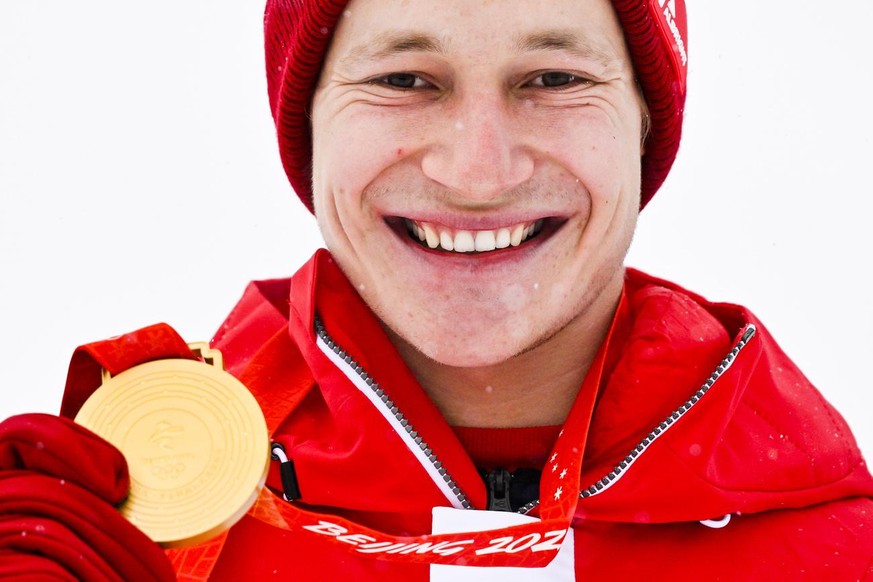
{"type": "Point", "coordinates": [377, 28]}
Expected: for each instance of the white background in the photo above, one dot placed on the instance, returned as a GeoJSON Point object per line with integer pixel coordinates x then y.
{"type": "Point", "coordinates": [140, 182]}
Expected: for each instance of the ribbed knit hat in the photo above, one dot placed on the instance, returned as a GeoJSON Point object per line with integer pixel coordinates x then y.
{"type": "Point", "coordinates": [297, 34]}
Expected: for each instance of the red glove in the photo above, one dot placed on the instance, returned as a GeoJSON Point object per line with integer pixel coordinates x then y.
{"type": "Point", "coordinates": [59, 488]}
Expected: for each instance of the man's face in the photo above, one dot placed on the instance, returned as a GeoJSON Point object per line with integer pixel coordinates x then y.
{"type": "Point", "coordinates": [504, 134]}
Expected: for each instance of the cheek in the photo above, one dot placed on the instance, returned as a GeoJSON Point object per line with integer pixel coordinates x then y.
{"type": "Point", "coordinates": [613, 153]}
{"type": "Point", "coordinates": [346, 165]}
{"type": "Point", "coordinates": [611, 174]}
{"type": "Point", "coordinates": [341, 173]}
{"type": "Point", "coordinates": [359, 144]}
{"type": "Point", "coordinates": [596, 148]}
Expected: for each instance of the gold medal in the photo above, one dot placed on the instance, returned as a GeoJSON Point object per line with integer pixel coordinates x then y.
{"type": "Point", "coordinates": [195, 441]}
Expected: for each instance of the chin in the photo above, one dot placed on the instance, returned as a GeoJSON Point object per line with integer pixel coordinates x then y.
{"type": "Point", "coordinates": [470, 358]}
{"type": "Point", "coordinates": [467, 344]}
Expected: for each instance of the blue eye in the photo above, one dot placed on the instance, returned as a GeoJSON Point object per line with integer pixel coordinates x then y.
{"type": "Point", "coordinates": [557, 80]}
{"type": "Point", "coordinates": [402, 81]}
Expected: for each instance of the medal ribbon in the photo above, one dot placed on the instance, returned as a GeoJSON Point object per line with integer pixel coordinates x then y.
{"type": "Point", "coordinates": [527, 545]}
{"type": "Point", "coordinates": [115, 355]}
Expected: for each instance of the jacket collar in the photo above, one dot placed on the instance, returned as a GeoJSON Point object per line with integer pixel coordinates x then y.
{"type": "Point", "coordinates": [717, 456]}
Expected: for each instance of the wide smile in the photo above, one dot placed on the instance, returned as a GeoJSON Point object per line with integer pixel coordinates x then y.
{"type": "Point", "coordinates": [442, 238]}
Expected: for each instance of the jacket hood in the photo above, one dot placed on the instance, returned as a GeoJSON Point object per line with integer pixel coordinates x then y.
{"type": "Point", "coordinates": [698, 413]}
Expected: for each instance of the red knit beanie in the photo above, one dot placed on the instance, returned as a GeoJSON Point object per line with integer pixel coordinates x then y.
{"type": "Point", "coordinates": [297, 34]}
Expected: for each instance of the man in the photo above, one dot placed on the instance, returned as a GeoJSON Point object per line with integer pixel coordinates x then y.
{"type": "Point", "coordinates": [473, 341]}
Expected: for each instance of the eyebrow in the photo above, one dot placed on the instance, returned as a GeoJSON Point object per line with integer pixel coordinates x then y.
{"type": "Point", "coordinates": [389, 43]}
{"type": "Point", "coordinates": [568, 41]}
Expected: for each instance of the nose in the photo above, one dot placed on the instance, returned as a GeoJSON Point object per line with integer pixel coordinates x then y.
{"type": "Point", "coordinates": [478, 153]}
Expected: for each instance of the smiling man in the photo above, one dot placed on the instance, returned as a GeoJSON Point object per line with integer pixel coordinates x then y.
{"type": "Point", "coordinates": [490, 187]}
{"type": "Point", "coordinates": [469, 384]}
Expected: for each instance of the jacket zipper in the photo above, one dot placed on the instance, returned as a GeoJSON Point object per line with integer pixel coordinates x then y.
{"type": "Point", "coordinates": [598, 486]}
{"type": "Point", "coordinates": [498, 481]}
{"type": "Point", "coordinates": [508, 490]}
{"type": "Point", "coordinates": [392, 408]}
{"type": "Point", "coordinates": [613, 476]}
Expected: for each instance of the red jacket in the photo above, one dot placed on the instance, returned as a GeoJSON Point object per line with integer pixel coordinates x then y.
{"type": "Point", "coordinates": [699, 420]}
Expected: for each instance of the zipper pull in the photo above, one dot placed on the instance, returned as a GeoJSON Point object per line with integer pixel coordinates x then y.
{"type": "Point", "coordinates": [498, 482]}
{"type": "Point", "coordinates": [286, 471]}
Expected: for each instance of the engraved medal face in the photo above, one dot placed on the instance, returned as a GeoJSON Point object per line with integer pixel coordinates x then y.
{"type": "Point", "coordinates": [196, 445]}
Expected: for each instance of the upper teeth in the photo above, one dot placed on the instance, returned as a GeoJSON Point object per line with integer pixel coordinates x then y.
{"type": "Point", "coordinates": [468, 241]}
